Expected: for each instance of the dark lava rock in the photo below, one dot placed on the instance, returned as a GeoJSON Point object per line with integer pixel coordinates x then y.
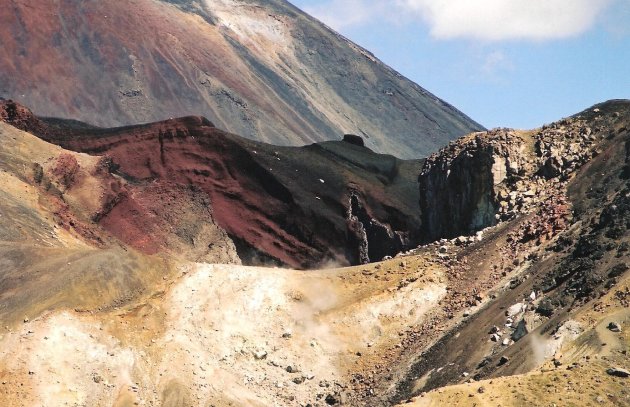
{"type": "Point", "coordinates": [618, 270]}
{"type": "Point", "coordinates": [520, 331]}
{"type": "Point", "coordinates": [483, 363]}
{"type": "Point", "coordinates": [614, 327]}
{"type": "Point", "coordinates": [456, 191]}
{"type": "Point", "coordinates": [353, 139]}
{"type": "Point", "coordinates": [331, 400]}
{"type": "Point", "coordinates": [618, 372]}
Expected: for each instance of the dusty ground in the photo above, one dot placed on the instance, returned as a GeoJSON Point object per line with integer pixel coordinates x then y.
{"type": "Point", "coordinates": [89, 321]}
{"type": "Point", "coordinates": [219, 335]}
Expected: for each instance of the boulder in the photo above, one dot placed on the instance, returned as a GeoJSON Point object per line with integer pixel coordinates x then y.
{"type": "Point", "coordinates": [618, 372]}
{"type": "Point", "coordinates": [260, 354]}
{"type": "Point", "coordinates": [354, 139]}
{"type": "Point", "coordinates": [515, 309]}
{"type": "Point", "coordinates": [614, 327]}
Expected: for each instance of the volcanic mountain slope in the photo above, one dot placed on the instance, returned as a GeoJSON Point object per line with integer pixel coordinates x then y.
{"type": "Point", "coordinates": [89, 320]}
{"type": "Point", "coordinates": [533, 295]}
{"type": "Point", "coordinates": [578, 375]}
{"type": "Point", "coordinates": [558, 260]}
{"type": "Point", "coordinates": [261, 69]}
{"type": "Point", "coordinates": [332, 202]}
{"type": "Point", "coordinates": [52, 252]}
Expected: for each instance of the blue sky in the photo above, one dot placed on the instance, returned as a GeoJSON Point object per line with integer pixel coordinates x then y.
{"type": "Point", "coordinates": [508, 63]}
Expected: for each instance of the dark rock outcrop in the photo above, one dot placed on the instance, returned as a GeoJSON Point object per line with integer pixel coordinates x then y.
{"type": "Point", "coordinates": [373, 239]}
{"type": "Point", "coordinates": [354, 139]}
{"type": "Point", "coordinates": [457, 190]}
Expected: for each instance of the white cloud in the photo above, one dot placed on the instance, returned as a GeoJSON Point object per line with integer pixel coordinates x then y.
{"type": "Point", "coordinates": [495, 20]}
{"type": "Point", "coordinates": [340, 14]}
{"type": "Point", "coordinates": [488, 20]}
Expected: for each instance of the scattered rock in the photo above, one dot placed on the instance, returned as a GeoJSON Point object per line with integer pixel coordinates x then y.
{"type": "Point", "coordinates": [520, 330]}
{"type": "Point", "coordinates": [260, 355]}
{"type": "Point", "coordinates": [614, 327]}
{"type": "Point", "coordinates": [618, 270]}
{"type": "Point", "coordinates": [503, 360]}
{"type": "Point", "coordinates": [461, 240]}
{"type": "Point", "coordinates": [483, 363]}
{"type": "Point", "coordinates": [515, 310]}
{"type": "Point", "coordinates": [618, 372]}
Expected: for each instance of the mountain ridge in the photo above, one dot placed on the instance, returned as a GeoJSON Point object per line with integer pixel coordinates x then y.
{"type": "Point", "coordinates": [534, 302]}
{"type": "Point", "coordinates": [326, 203]}
{"type": "Point", "coordinates": [265, 71]}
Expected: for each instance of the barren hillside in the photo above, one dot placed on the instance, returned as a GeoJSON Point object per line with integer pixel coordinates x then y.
{"type": "Point", "coordinates": [528, 305]}
{"type": "Point", "coordinates": [260, 69]}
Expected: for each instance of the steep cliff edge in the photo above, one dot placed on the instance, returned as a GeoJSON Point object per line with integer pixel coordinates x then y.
{"type": "Point", "coordinates": [327, 203]}
{"type": "Point", "coordinates": [488, 177]}
{"type": "Point", "coordinates": [558, 198]}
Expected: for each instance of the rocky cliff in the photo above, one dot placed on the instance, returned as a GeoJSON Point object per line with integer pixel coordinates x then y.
{"type": "Point", "coordinates": [104, 259]}
{"type": "Point", "coordinates": [553, 203]}
{"type": "Point", "coordinates": [335, 202]}
{"type": "Point", "coordinates": [260, 69]}
{"type": "Point", "coordinates": [485, 178]}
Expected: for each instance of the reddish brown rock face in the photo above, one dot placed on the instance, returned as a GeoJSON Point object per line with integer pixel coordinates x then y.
{"type": "Point", "coordinates": [289, 206]}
